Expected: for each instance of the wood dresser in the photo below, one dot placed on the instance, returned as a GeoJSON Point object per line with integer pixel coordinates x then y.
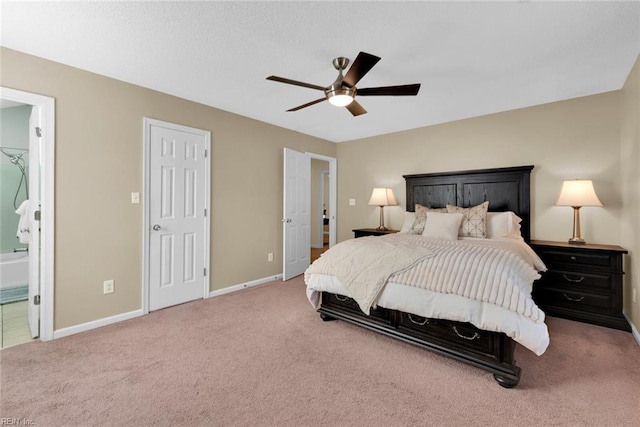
{"type": "Point", "coordinates": [583, 282]}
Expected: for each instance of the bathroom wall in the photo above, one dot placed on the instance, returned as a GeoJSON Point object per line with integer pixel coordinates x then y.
{"type": "Point", "coordinates": [14, 133]}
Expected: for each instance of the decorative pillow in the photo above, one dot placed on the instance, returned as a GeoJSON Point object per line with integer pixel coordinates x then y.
{"type": "Point", "coordinates": [474, 222]}
{"type": "Point", "coordinates": [503, 225]}
{"type": "Point", "coordinates": [409, 219]}
{"type": "Point", "coordinates": [421, 217]}
{"type": "Point", "coordinates": [442, 225]}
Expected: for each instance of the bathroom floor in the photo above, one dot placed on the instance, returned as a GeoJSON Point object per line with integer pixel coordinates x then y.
{"type": "Point", "coordinates": [14, 325]}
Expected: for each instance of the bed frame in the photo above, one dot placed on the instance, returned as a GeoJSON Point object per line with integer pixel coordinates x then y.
{"type": "Point", "coordinates": [506, 189]}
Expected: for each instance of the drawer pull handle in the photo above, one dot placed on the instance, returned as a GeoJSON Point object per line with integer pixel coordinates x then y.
{"type": "Point", "coordinates": [573, 299]}
{"type": "Point", "coordinates": [426, 320]}
{"type": "Point", "coordinates": [475, 335]}
{"type": "Point", "coordinates": [343, 299]}
{"type": "Point", "coordinates": [573, 258]}
{"type": "Point", "coordinates": [569, 279]}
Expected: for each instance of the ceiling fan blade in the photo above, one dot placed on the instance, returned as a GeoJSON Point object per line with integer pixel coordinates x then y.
{"type": "Point", "coordinates": [308, 104]}
{"type": "Point", "coordinates": [361, 66]}
{"type": "Point", "coordinates": [294, 82]}
{"type": "Point", "coordinates": [402, 90]}
{"type": "Point", "coordinates": [355, 108]}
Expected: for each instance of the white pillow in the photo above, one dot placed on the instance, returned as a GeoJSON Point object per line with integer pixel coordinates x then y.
{"type": "Point", "coordinates": [442, 225]}
{"type": "Point", "coordinates": [409, 219]}
{"type": "Point", "coordinates": [503, 225]}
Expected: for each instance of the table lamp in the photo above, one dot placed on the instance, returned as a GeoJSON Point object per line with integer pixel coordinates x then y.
{"type": "Point", "coordinates": [382, 197]}
{"type": "Point", "coordinates": [577, 193]}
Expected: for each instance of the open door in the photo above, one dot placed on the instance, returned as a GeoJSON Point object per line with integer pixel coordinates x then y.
{"type": "Point", "coordinates": [297, 214]}
{"type": "Point", "coordinates": [34, 222]}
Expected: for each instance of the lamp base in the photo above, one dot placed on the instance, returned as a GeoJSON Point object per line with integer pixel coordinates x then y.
{"type": "Point", "coordinates": [381, 227]}
{"type": "Point", "coordinates": [576, 239]}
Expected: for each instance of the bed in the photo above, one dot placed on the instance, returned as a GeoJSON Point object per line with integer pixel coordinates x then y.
{"type": "Point", "coordinates": [485, 336]}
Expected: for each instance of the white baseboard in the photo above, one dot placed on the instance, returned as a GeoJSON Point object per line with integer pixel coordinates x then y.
{"type": "Point", "coordinates": [634, 330]}
{"type": "Point", "coordinates": [71, 330]}
{"type": "Point", "coordinates": [246, 285]}
{"type": "Point", "coordinates": [317, 246]}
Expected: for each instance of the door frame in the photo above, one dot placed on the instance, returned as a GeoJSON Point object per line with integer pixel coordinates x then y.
{"type": "Point", "coordinates": [333, 193]}
{"type": "Point", "coordinates": [333, 179]}
{"type": "Point", "coordinates": [45, 107]}
{"type": "Point", "coordinates": [320, 196]}
{"type": "Point", "coordinates": [146, 224]}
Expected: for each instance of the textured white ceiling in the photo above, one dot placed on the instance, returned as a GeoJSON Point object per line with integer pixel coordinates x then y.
{"type": "Point", "coordinates": [472, 58]}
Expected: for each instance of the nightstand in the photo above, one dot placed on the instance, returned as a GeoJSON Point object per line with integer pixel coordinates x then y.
{"type": "Point", "coordinates": [582, 282]}
{"type": "Point", "coordinates": [361, 232]}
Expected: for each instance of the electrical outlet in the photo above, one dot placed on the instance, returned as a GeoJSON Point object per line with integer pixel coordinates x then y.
{"type": "Point", "coordinates": [108, 287]}
{"type": "Point", "coordinates": [352, 202]}
{"type": "Point", "coordinates": [270, 257]}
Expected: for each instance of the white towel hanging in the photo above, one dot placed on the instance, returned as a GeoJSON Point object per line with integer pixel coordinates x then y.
{"type": "Point", "coordinates": [23, 223]}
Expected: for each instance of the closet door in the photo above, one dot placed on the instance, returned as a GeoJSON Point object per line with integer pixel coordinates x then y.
{"type": "Point", "coordinates": [178, 222]}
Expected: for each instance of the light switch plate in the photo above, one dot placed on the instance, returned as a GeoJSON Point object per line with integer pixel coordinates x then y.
{"type": "Point", "coordinates": [135, 198]}
{"type": "Point", "coordinates": [352, 202]}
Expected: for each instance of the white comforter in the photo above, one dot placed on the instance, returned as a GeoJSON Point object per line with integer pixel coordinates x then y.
{"type": "Point", "coordinates": [484, 282]}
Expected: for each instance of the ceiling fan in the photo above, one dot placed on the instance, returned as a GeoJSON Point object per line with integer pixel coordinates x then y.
{"type": "Point", "coordinates": [342, 92]}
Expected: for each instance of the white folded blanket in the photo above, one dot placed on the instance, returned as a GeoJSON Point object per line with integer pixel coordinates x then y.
{"type": "Point", "coordinates": [364, 265]}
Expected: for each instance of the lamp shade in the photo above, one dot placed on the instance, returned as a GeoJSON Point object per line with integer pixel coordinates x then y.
{"type": "Point", "coordinates": [382, 197]}
{"type": "Point", "coordinates": [578, 192]}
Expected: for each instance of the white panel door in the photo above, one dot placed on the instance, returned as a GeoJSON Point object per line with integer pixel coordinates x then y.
{"type": "Point", "coordinates": [297, 213]}
{"type": "Point", "coordinates": [177, 247]}
{"type": "Point", "coordinates": [34, 225]}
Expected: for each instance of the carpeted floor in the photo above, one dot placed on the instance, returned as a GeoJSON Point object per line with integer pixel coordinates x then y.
{"type": "Point", "coordinates": [263, 357]}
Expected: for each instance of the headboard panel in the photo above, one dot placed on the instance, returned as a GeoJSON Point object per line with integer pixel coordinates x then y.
{"type": "Point", "coordinates": [506, 189]}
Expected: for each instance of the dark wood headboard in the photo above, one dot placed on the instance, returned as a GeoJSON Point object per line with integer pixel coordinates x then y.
{"type": "Point", "coordinates": [506, 189]}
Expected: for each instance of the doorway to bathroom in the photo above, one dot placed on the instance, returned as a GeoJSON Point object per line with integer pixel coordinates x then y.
{"type": "Point", "coordinates": [26, 213]}
{"type": "Point", "coordinates": [14, 244]}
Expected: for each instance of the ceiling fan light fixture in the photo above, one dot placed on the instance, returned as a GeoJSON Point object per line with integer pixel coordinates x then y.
{"type": "Point", "coordinates": [341, 96]}
{"type": "Point", "coordinates": [342, 92]}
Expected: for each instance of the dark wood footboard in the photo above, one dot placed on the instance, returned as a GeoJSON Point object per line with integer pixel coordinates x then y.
{"type": "Point", "coordinates": [491, 351]}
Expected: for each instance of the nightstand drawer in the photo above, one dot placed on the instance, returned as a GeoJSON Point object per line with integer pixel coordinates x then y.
{"type": "Point", "coordinates": [581, 301]}
{"type": "Point", "coordinates": [574, 280]}
{"type": "Point", "coordinates": [551, 257]}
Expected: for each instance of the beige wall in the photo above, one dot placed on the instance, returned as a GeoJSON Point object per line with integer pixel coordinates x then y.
{"type": "Point", "coordinates": [564, 140]}
{"type": "Point", "coordinates": [99, 162]}
{"type": "Point", "coordinates": [630, 159]}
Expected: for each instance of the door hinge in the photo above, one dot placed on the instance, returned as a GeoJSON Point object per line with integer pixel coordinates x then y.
{"type": "Point", "coordinates": [206, 153]}
{"type": "Point", "coordinates": [205, 212]}
{"type": "Point", "coordinates": [36, 300]}
{"type": "Point", "coordinates": [205, 271]}
{"type": "Point", "coordinates": [38, 132]}
{"type": "Point", "coordinates": [36, 215]}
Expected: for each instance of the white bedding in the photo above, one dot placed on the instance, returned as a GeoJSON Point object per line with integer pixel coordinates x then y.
{"type": "Point", "coordinates": [528, 330]}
